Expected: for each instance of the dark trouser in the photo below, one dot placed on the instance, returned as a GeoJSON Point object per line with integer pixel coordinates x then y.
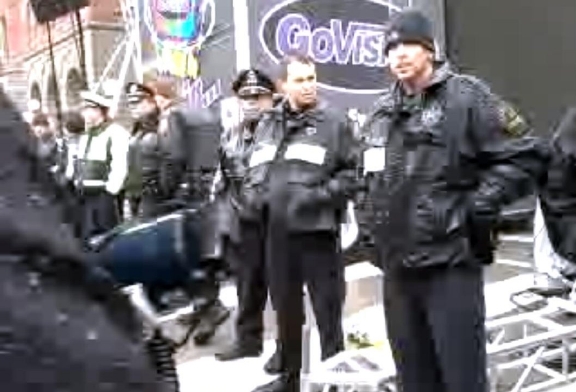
{"type": "Point", "coordinates": [435, 323]}
{"type": "Point", "coordinates": [98, 213]}
{"type": "Point", "coordinates": [314, 259]}
{"type": "Point", "coordinates": [120, 197]}
{"type": "Point", "coordinates": [134, 204]}
{"type": "Point", "coordinates": [150, 206]}
{"type": "Point", "coordinates": [247, 262]}
{"type": "Point", "coordinates": [203, 291]}
{"type": "Point", "coordinates": [72, 211]}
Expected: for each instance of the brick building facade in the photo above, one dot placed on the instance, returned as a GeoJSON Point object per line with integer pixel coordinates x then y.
{"type": "Point", "coordinates": [25, 67]}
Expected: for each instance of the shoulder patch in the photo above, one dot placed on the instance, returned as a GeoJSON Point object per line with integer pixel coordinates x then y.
{"type": "Point", "coordinates": [510, 120]}
{"type": "Point", "coordinates": [513, 124]}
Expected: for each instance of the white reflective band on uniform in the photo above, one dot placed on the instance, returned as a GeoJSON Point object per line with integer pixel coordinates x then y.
{"type": "Point", "coordinates": [113, 144]}
{"type": "Point", "coordinates": [306, 152]}
{"type": "Point", "coordinates": [93, 183]}
{"type": "Point", "coordinates": [263, 154]}
{"type": "Point", "coordinates": [374, 159]}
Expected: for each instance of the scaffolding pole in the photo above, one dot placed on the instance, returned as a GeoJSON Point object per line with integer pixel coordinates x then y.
{"type": "Point", "coordinates": [128, 51]}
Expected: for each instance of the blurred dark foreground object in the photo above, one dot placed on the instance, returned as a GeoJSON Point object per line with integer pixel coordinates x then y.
{"type": "Point", "coordinates": [64, 326]}
{"type": "Point", "coordinates": [60, 335]}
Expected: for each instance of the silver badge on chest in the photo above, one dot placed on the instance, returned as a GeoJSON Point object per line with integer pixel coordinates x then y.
{"type": "Point", "coordinates": [310, 131]}
{"type": "Point", "coordinates": [431, 115]}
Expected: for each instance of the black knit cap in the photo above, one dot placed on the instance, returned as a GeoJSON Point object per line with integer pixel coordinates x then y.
{"type": "Point", "coordinates": [410, 26]}
{"type": "Point", "coordinates": [253, 82]}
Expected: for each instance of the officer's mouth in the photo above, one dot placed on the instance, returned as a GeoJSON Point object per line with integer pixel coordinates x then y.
{"type": "Point", "coordinates": [405, 68]}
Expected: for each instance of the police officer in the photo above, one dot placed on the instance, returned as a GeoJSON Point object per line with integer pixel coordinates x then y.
{"type": "Point", "coordinates": [555, 236]}
{"type": "Point", "coordinates": [301, 172]}
{"type": "Point", "coordinates": [244, 238]}
{"type": "Point", "coordinates": [187, 181]}
{"type": "Point", "coordinates": [46, 147]}
{"type": "Point", "coordinates": [73, 129]}
{"type": "Point", "coordinates": [445, 155]}
{"type": "Point", "coordinates": [145, 155]}
{"type": "Point", "coordinates": [101, 165]}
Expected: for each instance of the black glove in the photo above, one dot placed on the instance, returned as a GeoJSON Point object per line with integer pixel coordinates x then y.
{"type": "Point", "coordinates": [483, 221]}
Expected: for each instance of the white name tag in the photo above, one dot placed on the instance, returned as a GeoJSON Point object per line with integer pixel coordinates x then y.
{"type": "Point", "coordinates": [306, 152]}
{"type": "Point", "coordinates": [263, 154]}
{"type": "Point", "coordinates": [374, 159]}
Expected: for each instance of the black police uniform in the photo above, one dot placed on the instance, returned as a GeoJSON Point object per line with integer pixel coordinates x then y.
{"type": "Point", "coordinates": [300, 174]}
{"type": "Point", "coordinates": [64, 325]}
{"type": "Point", "coordinates": [245, 239]}
{"type": "Point", "coordinates": [557, 192]}
{"type": "Point", "coordinates": [145, 158]}
{"type": "Point", "coordinates": [453, 156]}
{"type": "Point", "coordinates": [188, 177]}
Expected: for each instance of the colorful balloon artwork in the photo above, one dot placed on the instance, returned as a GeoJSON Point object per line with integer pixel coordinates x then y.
{"type": "Point", "coordinates": [178, 29]}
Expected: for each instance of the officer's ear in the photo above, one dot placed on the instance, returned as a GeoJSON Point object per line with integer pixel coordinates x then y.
{"type": "Point", "coordinates": [431, 55]}
{"type": "Point", "coordinates": [280, 85]}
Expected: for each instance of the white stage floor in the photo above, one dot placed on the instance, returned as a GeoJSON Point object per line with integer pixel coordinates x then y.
{"type": "Point", "coordinates": [205, 374]}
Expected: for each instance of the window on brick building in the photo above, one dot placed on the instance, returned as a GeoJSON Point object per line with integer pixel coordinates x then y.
{"type": "Point", "coordinates": [29, 22]}
{"type": "Point", "coordinates": [3, 40]}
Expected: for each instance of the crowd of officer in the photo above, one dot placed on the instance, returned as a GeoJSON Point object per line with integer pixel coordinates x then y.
{"type": "Point", "coordinates": [441, 153]}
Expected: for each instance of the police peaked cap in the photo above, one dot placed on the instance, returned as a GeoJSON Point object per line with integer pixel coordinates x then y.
{"type": "Point", "coordinates": [136, 92]}
{"type": "Point", "coordinates": [95, 100]}
{"type": "Point", "coordinates": [253, 82]}
{"type": "Point", "coordinates": [410, 26]}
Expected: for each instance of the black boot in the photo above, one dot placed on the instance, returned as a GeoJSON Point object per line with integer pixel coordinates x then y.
{"type": "Point", "coordinates": [287, 382]}
{"type": "Point", "coordinates": [210, 320]}
{"type": "Point", "coordinates": [274, 365]}
{"type": "Point", "coordinates": [240, 350]}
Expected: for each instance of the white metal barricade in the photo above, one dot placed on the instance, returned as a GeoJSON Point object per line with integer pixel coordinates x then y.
{"type": "Point", "coordinates": [362, 370]}
{"type": "Point", "coordinates": [536, 343]}
{"type": "Point", "coordinates": [530, 349]}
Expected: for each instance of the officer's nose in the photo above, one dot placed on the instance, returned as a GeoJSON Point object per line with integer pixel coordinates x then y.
{"type": "Point", "coordinates": [398, 51]}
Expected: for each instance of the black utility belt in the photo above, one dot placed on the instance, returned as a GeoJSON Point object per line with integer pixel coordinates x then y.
{"type": "Point", "coordinates": [91, 190]}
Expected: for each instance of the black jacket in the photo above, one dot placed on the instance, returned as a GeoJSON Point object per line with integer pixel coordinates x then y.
{"type": "Point", "coordinates": [192, 142]}
{"type": "Point", "coordinates": [557, 191]}
{"type": "Point", "coordinates": [56, 335]}
{"type": "Point", "coordinates": [236, 144]}
{"type": "Point", "coordinates": [454, 156]}
{"type": "Point", "coordinates": [145, 161]}
{"type": "Point", "coordinates": [301, 169]}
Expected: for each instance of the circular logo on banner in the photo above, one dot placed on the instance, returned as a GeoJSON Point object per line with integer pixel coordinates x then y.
{"type": "Point", "coordinates": [344, 38]}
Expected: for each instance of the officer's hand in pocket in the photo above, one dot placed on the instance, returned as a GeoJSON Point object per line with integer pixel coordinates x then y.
{"type": "Point", "coordinates": [431, 219]}
{"type": "Point", "coordinates": [482, 225]}
{"type": "Point", "coordinates": [308, 199]}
